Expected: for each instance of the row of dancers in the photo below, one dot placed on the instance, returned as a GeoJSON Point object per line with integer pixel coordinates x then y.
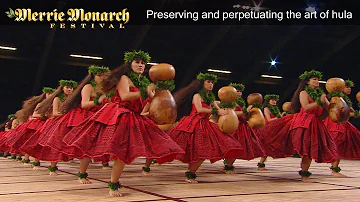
{"type": "Point", "coordinates": [106, 118]}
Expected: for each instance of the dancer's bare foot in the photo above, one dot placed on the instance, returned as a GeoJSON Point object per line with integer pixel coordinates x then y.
{"type": "Point", "coordinates": [53, 173]}
{"type": "Point", "coordinates": [144, 173]}
{"type": "Point", "coordinates": [115, 193]}
{"type": "Point", "coordinates": [36, 168]}
{"type": "Point", "coordinates": [84, 181]}
{"type": "Point", "coordinates": [338, 175]}
{"type": "Point", "coordinates": [229, 169]}
{"type": "Point", "coordinates": [114, 189]}
{"type": "Point", "coordinates": [53, 170]}
{"type": "Point", "coordinates": [306, 179]}
{"type": "Point", "coordinates": [106, 168]}
{"type": "Point", "coordinates": [230, 172]}
{"type": "Point", "coordinates": [27, 164]}
{"type": "Point", "coordinates": [12, 158]}
{"type": "Point", "coordinates": [190, 177]}
{"type": "Point", "coordinates": [192, 181]}
{"type": "Point", "coordinates": [261, 166]}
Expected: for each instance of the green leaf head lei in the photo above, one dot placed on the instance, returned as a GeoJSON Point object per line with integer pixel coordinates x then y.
{"type": "Point", "coordinates": [137, 55]}
{"type": "Point", "coordinates": [95, 69]}
{"type": "Point", "coordinates": [68, 83]}
{"type": "Point", "coordinates": [310, 74]}
{"type": "Point", "coordinates": [48, 90]}
{"type": "Point", "coordinates": [238, 86]}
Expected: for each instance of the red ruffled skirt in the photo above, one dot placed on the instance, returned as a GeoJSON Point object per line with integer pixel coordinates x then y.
{"type": "Point", "coordinates": [346, 137]}
{"type": "Point", "coordinates": [4, 147]}
{"type": "Point", "coordinates": [21, 136]}
{"type": "Point", "coordinates": [62, 127]}
{"type": "Point", "coordinates": [202, 139]}
{"type": "Point", "coordinates": [119, 132]}
{"type": "Point", "coordinates": [249, 140]}
{"type": "Point", "coordinates": [36, 147]}
{"type": "Point", "coordinates": [9, 135]}
{"type": "Point", "coordinates": [302, 133]}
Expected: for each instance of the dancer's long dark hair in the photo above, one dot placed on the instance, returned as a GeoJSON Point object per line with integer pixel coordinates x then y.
{"type": "Point", "coordinates": [295, 101]}
{"type": "Point", "coordinates": [46, 105]}
{"type": "Point", "coordinates": [75, 98]}
{"type": "Point", "coordinates": [183, 97]}
{"type": "Point", "coordinates": [110, 79]}
{"type": "Point", "coordinates": [266, 103]}
{"type": "Point", "coordinates": [28, 107]}
{"type": "Point", "coordinates": [7, 124]}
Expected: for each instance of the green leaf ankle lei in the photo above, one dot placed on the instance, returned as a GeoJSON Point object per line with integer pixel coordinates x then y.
{"type": "Point", "coordinates": [82, 175]}
{"type": "Point", "coordinates": [315, 94]}
{"type": "Point", "coordinates": [52, 169]}
{"type": "Point", "coordinates": [304, 173]}
{"type": "Point", "coordinates": [26, 161]}
{"type": "Point", "coordinates": [229, 168]}
{"type": "Point", "coordinates": [146, 169]}
{"type": "Point", "coordinates": [114, 186]}
{"type": "Point", "coordinates": [274, 110]}
{"type": "Point", "coordinates": [335, 169]}
{"type": "Point", "coordinates": [190, 175]}
{"type": "Point", "coordinates": [140, 82]}
{"type": "Point", "coordinates": [208, 97]}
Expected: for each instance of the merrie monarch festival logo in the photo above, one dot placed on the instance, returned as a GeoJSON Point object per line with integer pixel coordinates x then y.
{"type": "Point", "coordinates": [76, 18]}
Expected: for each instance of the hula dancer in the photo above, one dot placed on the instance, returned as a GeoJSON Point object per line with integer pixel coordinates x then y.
{"type": "Point", "coordinates": [196, 134]}
{"type": "Point", "coordinates": [303, 132]}
{"type": "Point", "coordinates": [118, 129]}
{"type": "Point", "coordinates": [246, 136]}
{"type": "Point", "coordinates": [271, 113]}
{"type": "Point", "coordinates": [36, 145]}
{"type": "Point", "coordinates": [345, 135]}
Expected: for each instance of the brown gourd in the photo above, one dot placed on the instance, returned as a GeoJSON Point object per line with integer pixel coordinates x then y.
{"type": "Point", "coordinates": [286, 106]}
{"type": "Point", "coordinates": [339, 111]}
{"type": "Point", "coordinates": [335, 85]}
{"type": "Point", "coordinates": [163, 109]}
{"type": "Point", "coordinates": [228, 123]}
{"type": "Point", "coordinates": [256, 117]}
{"type": "Point", "coordinates": [254, 97]}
